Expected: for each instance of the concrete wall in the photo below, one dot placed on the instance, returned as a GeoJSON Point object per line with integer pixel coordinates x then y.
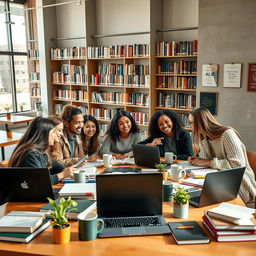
{"type": "Point", "coordinates": [227, 34]}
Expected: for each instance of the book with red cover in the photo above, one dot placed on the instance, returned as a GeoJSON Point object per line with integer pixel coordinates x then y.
{"type": "Point", "coordinates": [224, 232]}
{"type": "Point", "coordinates": [230, 238]}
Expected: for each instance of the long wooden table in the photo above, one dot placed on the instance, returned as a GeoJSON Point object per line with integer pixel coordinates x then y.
{"type": "Point", "coordinates": [6, 141]}
{"type": "Point", "coordinates": [127, 246]}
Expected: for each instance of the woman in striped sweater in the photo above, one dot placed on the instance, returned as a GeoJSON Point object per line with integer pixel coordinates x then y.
{"type": "Point", "coordinates": [221, 142]}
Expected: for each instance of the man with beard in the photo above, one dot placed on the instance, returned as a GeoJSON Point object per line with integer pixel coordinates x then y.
{"type": "Point", "coordinates": [69, 149]}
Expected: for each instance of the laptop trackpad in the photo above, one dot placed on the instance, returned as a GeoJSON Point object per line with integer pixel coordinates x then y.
{"type": "Point", "coordinates": [134, 231]}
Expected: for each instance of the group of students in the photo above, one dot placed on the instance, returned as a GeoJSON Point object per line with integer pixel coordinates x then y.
{"type": "Point", "coordinates": [58, 143]}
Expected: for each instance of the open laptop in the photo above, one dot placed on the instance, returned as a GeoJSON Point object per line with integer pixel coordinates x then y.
{"type": "Point", "coordinates": [130, 204]}
{"type": "Point", "coordinates": [218, 187]}
{"type": "Point", "coordinates": [147, 156]}
{"type": "Point", "coordinates": [25, 184]}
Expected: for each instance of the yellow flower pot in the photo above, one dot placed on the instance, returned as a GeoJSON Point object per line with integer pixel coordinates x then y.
{"type": "Point", "coordinates": [165, 175]}
{"type": "Point", "coordinates": [61, 235]}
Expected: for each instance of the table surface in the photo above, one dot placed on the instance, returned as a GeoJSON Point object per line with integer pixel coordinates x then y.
{"type": "Point", "coordinates": [135, 246]}
{"type": "Point", "coordinates": [16, 120]}
{"type": "Point", "coordinates": [5, 141]}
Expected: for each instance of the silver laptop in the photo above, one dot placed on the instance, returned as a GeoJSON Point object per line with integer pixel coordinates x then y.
{"type": "Point", "coordinates": [130, 204]}
{"type": "Point", "coordinates": [25, 184]}
{"type": "Point", "coordinates": [218, 187]}
{"type": "Point", "coordinates": [147, 156]}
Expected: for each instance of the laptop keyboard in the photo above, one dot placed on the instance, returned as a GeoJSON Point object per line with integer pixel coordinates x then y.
{"type": "Point", "coordinates": [132, 222]}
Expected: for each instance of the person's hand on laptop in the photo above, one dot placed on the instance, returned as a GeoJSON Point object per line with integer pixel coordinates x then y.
{"type": "Point", "coordinates": [67, 172]}
{"type": "Point", "coordinates": [156, 141]}
{"type": "Point", "coordinates": [198, 161]}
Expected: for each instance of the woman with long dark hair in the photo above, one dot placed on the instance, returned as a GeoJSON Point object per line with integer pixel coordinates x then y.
{"type": "Point", "coordinates": [90, 137]}
{"type": "Point", "coordinates": [121, 134]}
{"type": "Point", "coordinates": [33, 149]}
{"type": "Point", "coordinates": [166, 132]}
{"type": "Point", "coordinates": [222, 143]}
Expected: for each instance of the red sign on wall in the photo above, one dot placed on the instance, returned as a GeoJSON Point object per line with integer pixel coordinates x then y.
{"type": "Point", "coordinates": [251, 77]}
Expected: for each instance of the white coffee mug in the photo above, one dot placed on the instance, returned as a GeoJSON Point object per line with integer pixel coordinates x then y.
{"type": "Point", "coordinates": [169, 157]}
{"type": "Point", "coordinates": [177, 172]}
{"type": "Point", "coordinates": [79, 176]}
{"type": "Point", "coordinates": [107, 160]}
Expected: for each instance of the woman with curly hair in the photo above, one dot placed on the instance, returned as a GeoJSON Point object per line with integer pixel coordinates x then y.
{"type": "Point", "coordinates": [90, 137]}
{"type": "Point", "coordinates": [166, 132]}
{"type": "Point", "coordinates": [122, 133]}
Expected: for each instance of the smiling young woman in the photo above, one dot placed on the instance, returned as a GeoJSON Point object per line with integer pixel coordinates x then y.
{"type": "Point", "coordinates": [122, 133]}
{"type": "Point", "coordinates": [166, 132]}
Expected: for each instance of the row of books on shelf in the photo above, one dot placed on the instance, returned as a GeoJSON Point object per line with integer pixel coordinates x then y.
{"type": "Point", "coordinates": [123, 69]}
{"type": "Point", "coordinates": [59, 107]}
{"type": "Point", "coordinates": [34, 76]}
{"type": "Point", "coordinates": [59, 77]}
{"type": "Point", "coordinates": [73, 69]}
{"type": "Point", "coordinates": [180, 48]}
{"type": "Point", "coordinates": [139, 99]}
{"type": "Point", "coordinates": [175, 82]}
{"type": "Point", "coordinates": [79, 95]}
{"type": "Point", "coordinates": [228, 222]}
{"type": "Point", "coordinates": [117, 51]}
{"type": "Point", "coordinates": [69, 53]}
{"type": "Point", "coordinates": [179, 67]}
{"type": "Point", "coordinates": [33, 54]}
{"type": "Point", "coordinates": [177, 100]}
{"type": "Point", "coordinates": [35, 91]}
{"type": "Point", "coordinates": [120, 80]}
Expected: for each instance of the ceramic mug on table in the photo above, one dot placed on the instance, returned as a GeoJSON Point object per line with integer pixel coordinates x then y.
{"type": "Point", "coordinates": [176, 172]}
{"type": "Point", "coordinates": [80, 176]}
{"type": "Point", "coordinates": [89, 226]}
{"type": "Point", "coordinates": [169, 157]}
{"type": "Point", "coordinates": [107, 160]}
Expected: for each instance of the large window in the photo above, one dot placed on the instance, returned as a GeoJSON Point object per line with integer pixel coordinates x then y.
{"type": "Point", "coordinates": [14, 83]}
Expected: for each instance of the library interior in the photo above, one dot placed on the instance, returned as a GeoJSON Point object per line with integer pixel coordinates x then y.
{"type": "Point", "coordinates": [97, 97]}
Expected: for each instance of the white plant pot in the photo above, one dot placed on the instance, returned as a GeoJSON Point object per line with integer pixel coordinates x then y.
{"type": "Point", "coordinates": [180, 211]}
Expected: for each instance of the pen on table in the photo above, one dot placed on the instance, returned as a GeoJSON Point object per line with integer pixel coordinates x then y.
{"type": "Point", "coordinates": [185, 227]}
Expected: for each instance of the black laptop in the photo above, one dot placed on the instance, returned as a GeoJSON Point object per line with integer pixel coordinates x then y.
{"type": "Point", "coordinates": [218, 187]}
{"type": "Point", "coordinates": [147, 156]}
{"type": "Point", "coordinates": [130, 204]}
{"type": "Point", "coordinates": [24, 184]}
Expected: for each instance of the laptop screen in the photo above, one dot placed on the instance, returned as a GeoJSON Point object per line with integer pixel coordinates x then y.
{"type": "Point", "coordinates": [25, 184]}
{"type": "Point", "coordinates": [126, 195]}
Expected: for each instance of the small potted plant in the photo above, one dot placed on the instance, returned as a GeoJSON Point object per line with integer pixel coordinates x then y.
{"type": "Point", "coordinates": [162, 168]}
{"type": "Point", "coordinates": [180, 203]}
{"type": "Point", "coordinates": [7, 108]}
{"type": "Point", "coordinates": [22, 105]}
{"type": "Point", "coordinates": [60, 225]}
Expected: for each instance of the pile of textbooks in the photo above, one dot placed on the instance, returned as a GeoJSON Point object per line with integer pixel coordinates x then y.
{"type": "Point", "coordinates": [228, 222]}
{"type": "Point", "coordinates": [22, 226]}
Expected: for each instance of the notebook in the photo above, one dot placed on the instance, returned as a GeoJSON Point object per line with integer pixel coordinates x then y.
{"type": "Point", "coordinates": [25, 184]}
{"type": "Point", "coordinates": [147, 156]}
{"type": "Point", "coordinates": [130, 204]}
{"type": "Point", "coordinates": [188, 232]}
{"type": "Point", "coordinates": [218, 187]}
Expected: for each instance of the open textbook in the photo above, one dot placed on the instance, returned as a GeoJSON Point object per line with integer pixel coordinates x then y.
{"type": "Point", "coordinates": [127, 160]}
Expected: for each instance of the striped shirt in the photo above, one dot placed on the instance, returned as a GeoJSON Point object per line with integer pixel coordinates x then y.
{"type": "Point", "coordinates": [231, 153]}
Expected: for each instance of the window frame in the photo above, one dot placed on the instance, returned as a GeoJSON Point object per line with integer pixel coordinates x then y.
{"type": "Point", "coordinates": [12, 54]}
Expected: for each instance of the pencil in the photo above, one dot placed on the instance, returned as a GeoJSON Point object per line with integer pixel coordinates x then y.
{"type": "Point", "coordinates": [199, 177]}
{"type": "Point", "coordinates": [185, 227]}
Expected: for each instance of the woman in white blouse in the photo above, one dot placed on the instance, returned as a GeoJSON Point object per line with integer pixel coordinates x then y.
{"type": "Point", "coordinates": [221, 142]}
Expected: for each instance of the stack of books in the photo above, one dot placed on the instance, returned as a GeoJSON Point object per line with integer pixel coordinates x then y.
{"type": "Point", "coordinates": [78, 190]}
{"type": "Point", "coordinates": [22, 226]}
{"type": "Point", "coordinates": [228, 222]}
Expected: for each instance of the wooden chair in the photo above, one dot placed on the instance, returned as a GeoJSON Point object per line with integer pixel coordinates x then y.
{"type": "Point", "coordinates": [252, 162]}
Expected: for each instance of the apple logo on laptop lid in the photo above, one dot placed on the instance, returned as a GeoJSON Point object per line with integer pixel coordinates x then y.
{"type": "Point", "coordinates": [24, 185]}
